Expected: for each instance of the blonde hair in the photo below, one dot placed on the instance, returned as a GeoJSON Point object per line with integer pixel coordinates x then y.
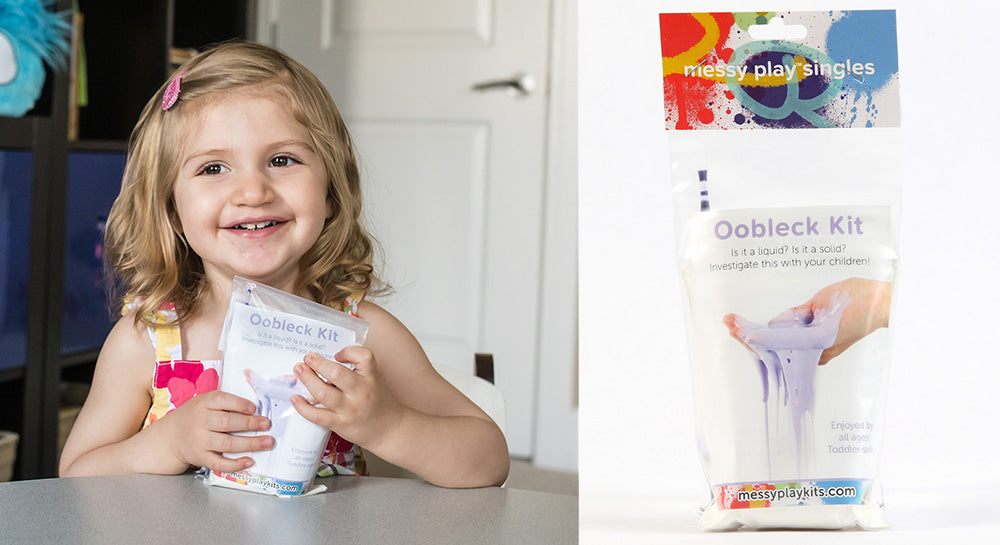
{"type": "Point", "coordinates": [144, 247]}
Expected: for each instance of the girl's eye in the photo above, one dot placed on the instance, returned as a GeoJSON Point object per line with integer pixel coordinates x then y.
{"type": "Point", "coordinates": [282, 161]}
{"type": "Point", "coordinates": [213, 169]}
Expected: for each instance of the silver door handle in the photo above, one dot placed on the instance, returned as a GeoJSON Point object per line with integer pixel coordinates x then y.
{"type": "Point", "coordinates": [520, 84]}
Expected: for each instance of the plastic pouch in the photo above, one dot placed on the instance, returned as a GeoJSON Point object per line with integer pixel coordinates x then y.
{"type": "Point", "coordinates": [786, 177]}
{"type": "Point", "coordinates": [266, 332]}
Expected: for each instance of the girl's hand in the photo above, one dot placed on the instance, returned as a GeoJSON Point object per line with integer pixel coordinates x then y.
{"type": "Point", "coordinates": [201, 429]}
{"type": "Point", "coordinates": [357, 404]}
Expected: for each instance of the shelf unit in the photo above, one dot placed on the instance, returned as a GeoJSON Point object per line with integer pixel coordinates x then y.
{"type": "Point", "coordinates": [128, 48]}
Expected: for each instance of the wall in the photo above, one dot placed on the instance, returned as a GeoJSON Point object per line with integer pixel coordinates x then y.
{"type": "Point", "coordinates": [558, 398]}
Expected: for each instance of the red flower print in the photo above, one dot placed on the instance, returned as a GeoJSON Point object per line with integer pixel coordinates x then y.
{"type": "Point", "coordinates": [185, 379]}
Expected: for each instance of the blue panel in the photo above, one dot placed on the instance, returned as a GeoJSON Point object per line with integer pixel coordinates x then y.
{"type": "Point", "coordinates": [16, 171]}
{"type": "Point", "coordinates": [93, 183]}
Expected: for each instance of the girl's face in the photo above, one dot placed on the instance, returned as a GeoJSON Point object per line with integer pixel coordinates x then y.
{"type": "Point", "coordinates": [251, 194]}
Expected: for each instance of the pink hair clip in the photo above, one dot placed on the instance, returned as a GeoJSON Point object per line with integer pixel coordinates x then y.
{"type": "Point", "coordinates": [173, 91]}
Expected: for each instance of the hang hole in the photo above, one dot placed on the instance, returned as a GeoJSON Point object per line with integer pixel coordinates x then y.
{"type": "Point", "coordinates": [776, 29]}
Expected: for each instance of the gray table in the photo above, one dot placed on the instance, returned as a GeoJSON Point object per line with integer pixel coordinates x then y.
{"type": "Point", "coordinates": [151, 509]}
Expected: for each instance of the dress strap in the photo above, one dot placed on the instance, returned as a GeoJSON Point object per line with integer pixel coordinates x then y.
{"type": "Point", "coordinates": [163, 330]}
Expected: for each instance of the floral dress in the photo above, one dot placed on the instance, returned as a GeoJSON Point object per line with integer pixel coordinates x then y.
{"type": "Point", "coordinates": [177, 380]}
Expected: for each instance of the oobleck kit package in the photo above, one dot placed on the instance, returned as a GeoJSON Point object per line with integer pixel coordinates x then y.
{"type": "Point", "coordinates": [784, 145]}
{"type": "Point", "coordinates": [268, 331]}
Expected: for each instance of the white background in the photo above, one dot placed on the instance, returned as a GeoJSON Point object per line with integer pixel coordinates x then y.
{"type": "Point", "coordinates": [639, 475]}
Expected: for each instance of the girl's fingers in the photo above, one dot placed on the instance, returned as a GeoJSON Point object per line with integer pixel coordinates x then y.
{"type": "Point", "coordinates": [320, 417]}
{"type": "Point", "coordinates": [325, 393]}
{"type": "Point", "coordinates": [226, 442]}
{"type": "Point", "coordinates": [224, 421]}
{"type": "Point", "coordinates": [360, 356]}
{"type": "Point", "coordinates": [335, 373]}
{"type": "Point", "coordinates": [227, 465]}
{"type": "Point", "coordinates": [225, 412]}
{"type": "Point", "coordinates": [225, 401]}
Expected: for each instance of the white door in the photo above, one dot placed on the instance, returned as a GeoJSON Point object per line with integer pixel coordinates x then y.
{"type": "Point", "coordinates": [454, 177]}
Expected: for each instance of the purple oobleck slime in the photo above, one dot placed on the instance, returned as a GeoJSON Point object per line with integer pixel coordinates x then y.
{"type": "Point", "coordinates": [787, 352]}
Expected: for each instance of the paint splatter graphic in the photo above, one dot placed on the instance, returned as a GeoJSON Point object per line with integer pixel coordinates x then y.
{"type": "Point", "coordinates": [842, 73]}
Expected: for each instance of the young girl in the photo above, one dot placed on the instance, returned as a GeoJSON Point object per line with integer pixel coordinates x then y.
{"type": "Point", "coordinates": [242, 165]}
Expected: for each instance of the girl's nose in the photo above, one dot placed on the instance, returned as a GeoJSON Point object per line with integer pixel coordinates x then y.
{"type": "Point", "coordinates": [253, 188]}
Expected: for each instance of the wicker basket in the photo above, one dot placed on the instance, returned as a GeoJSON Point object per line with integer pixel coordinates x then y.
{"type": "Point", "coordinates": [8, 453]}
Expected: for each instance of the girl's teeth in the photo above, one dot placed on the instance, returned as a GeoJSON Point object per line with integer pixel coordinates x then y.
{"type": "Point", "coordinates": [254, 226]}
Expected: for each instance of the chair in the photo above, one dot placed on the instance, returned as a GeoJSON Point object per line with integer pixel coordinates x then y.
{"type": "Point", "coordinates": [479, 388]}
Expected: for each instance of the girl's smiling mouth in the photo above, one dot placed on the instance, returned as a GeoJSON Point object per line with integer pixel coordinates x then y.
{"type": "Point", "coordinates": [255, 226]}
